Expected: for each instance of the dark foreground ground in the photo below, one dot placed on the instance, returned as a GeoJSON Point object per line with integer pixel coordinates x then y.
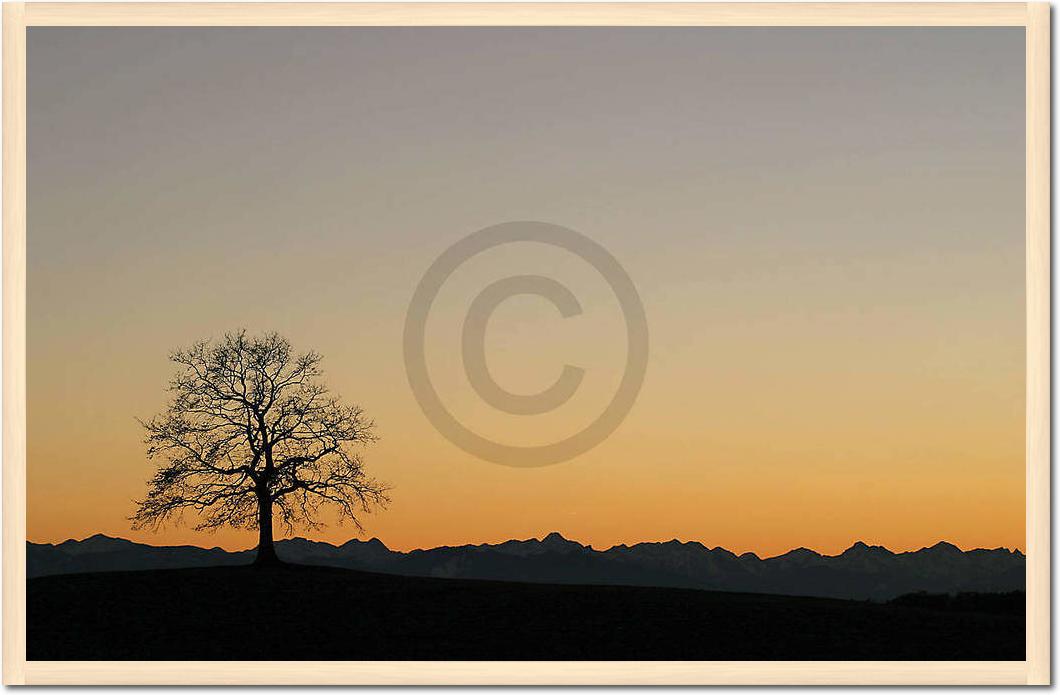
{"type": "Point", "coordinates": [298, 612]}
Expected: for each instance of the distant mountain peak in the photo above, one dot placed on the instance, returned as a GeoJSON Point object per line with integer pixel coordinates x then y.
{"type": "Point", "coordinates": [96, 543]}
{"type": "Point", "coordinates": [372, 542]}
{"type": "Point", "coordinates": [861, 548]}
{"type": "Point", "coordinates": [299, 540]}
{"type": "Point", "coordinates": [556, 541]}
{"type": "Point", "coordinates": [801, 552]}
{"type": "Point", "coordinates": [944, 547]}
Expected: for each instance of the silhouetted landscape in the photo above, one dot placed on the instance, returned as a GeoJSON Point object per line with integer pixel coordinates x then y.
{"type": "Point", "coordinates": [551, 598]}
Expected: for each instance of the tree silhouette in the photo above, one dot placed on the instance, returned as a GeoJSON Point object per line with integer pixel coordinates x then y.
{"type": "Point", "coordinates": [250, 428]}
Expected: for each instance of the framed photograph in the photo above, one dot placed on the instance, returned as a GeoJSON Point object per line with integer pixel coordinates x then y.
{"type": "Point", "coordinates": [560, 343]}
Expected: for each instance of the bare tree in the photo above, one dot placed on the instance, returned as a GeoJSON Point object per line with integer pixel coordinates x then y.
{"type": "Point", "coordinates": [250, 428]}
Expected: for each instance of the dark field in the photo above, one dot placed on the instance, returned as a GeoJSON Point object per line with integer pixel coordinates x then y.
{"type": "Point", "coordinates": [300, 613]}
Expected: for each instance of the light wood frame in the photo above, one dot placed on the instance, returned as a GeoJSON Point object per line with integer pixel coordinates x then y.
{"type": "Point", "coordinates": [17, 16]}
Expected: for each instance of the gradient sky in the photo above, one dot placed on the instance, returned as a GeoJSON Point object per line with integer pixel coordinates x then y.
{"type": "Point", "coordinates": [826, 227]}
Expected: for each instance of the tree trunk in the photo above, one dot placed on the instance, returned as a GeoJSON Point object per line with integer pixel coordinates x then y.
{"type": "Point", "coordinates": [266, 550]}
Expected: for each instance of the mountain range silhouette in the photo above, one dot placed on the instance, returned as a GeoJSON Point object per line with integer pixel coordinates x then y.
{"type": "Point", "coordinates": [861, 572]}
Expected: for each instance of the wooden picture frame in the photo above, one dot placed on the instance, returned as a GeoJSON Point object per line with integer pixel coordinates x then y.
{"type": "Point", "coordinates": [18, 16]}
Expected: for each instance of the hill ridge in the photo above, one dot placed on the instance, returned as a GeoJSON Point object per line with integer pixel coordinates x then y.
{"type": "Point", "coordinates": [339, 614]}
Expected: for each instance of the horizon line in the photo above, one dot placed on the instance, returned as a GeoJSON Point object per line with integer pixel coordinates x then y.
{"type": "Point", "coordinates": [854, 544]}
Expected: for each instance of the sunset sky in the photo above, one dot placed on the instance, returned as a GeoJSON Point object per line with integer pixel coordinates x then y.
{"type": "Point", "coordinates": [825, 226]}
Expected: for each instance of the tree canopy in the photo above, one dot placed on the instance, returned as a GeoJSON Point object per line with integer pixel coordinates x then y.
{"type": "Point", "coordinates": [251, 428]}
